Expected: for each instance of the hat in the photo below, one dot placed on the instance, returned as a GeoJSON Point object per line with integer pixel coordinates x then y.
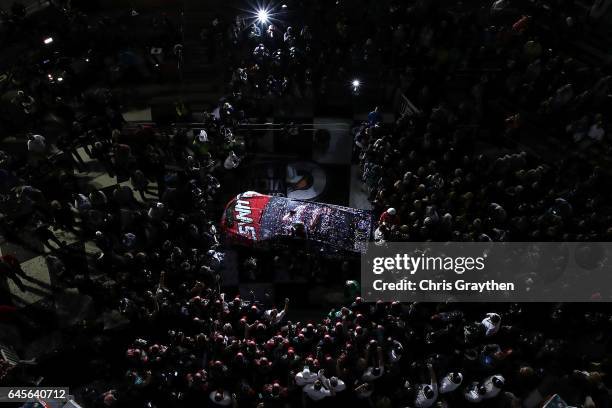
{"type": "Point", "coordinates": [456, 378]}
{"type": "Point", "coordinates": [498, 381]}
{"type": "Point", "coordinates": [391, 211]}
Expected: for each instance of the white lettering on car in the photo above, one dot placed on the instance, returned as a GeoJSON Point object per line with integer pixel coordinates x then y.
{"type": "Point", "coordinates": [242, 212]}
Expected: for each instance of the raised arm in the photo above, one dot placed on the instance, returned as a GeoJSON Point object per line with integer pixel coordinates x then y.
{"type": "Point", "coordinates": [432, 374]}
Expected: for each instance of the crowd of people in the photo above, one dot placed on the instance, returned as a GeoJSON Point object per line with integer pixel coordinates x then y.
{"type": "Point", "coordinates": [158, 259]}
{"type": "Point", "coordinates": [445, 172]}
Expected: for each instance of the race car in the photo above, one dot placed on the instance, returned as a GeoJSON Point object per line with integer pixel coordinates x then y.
{"type": "Point", "coordinates": [258, 220]}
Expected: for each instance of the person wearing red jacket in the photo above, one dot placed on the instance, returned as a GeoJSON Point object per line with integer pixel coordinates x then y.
{"type": "Point", "coordinates": [389, 217]}
{"type": "Point", "coordinates": [520, 26]}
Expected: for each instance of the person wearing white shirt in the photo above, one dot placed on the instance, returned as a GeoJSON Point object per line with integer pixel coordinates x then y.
{"type": "Point", "coordinates": [427, 394]}
{"type": "Point", "coordinates": [450, 382]}
{"type": "Point", "coordinates": [305, 377]}
{"type": "Point", "coordinates": [274, 316]}
{"type": "Point", "coordinates": [316, 391]}
{"type": "Point", "coordinates": [493, 386]}
{"type": "Point", "coordinates": [336, 384]}
{"type": "Point", "coordinates": [474, 393]}
{"type": "Point", "coordinates": [333, 383]}
{"type": "Point", "coordinates": [491, 323]}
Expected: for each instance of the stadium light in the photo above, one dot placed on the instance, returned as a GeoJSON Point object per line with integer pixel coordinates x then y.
{"type": "Point", "coordinates": [355, 85]}
{"type": "Point", "coordinates": [263, 16]}
{"type": "Point", "coordinates": [48, 40]}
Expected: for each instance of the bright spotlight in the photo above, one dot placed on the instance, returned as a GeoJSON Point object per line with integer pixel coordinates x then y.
{"type": "Point", "coordinates": [48, 40]}
{"type": "Point", "coordinates": [263, 16]}
{"type": "Point", "coordinates": [355, 84]}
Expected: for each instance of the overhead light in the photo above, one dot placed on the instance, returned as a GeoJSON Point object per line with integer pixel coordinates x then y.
{"type": "Point", "coordinates": [48, 40]}
{"type": "Point", "coordinates": [355, 84]}
{"type": "Point", "coordinates": [60, 79]}
{"type": "Point", "coordinates": [263, 16]}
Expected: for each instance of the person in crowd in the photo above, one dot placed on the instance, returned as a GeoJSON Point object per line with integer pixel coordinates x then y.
{"type": "Point", "coordinates": [427, 394]}
{"type": "Point", "coordinates": [11, 269]}
{"type": "Point", "coordinates": [491, 324]}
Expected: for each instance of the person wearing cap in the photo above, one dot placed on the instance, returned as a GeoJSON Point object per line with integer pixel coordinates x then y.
{"type": "Point", "coordinates": [336, 384]}
{"type": "Point", "coordinates": [305, 377]}
{"type": "Point", "coordinates": [427, 394]}
{"type": "Point", "coordinates": [450, 382]}
{"type": "Point", "coordinates": [156, 211]}
{"type": "Point", "coordinates": [221, 398]}
{"type": "Point", "coordinates": [474, 393]}
{"type": "Point", "coordinates": [491, 324]}
{"type": "Point", "coordinates": [332, 383]}
{"type": "Point", "coordinates": [389, 217]}
{"type": "Point", "coordinates": [231, 161]}
{"type": "Point", "coordinates": [373, 373]}
{"type": "Point", "coordinates": [275, 393]}
{"type": "Point", "coordinates": [493, 386]}
{"type": "Point", "coordinates": [298, 230]}
{"type": "Point", "coordinates": [201, 143]}
{"type": "Point", "coordinates": [37, 144]}
{"type": "Point", "coordinates": [316, 391]}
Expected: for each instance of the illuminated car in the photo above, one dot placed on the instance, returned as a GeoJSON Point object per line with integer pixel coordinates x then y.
{"type": "Point", "coordinates": [263, 221]}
